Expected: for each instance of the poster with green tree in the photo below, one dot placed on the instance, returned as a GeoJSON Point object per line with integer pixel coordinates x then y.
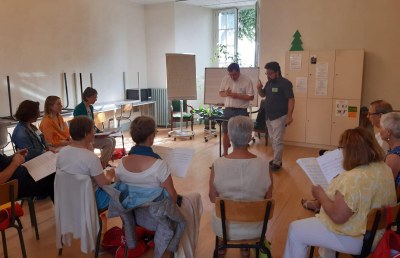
{"type": "Point", "coordinates": [297, 43]}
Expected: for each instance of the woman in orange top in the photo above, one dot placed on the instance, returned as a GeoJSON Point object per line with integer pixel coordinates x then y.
{"type": "Point", "coordinates": [53, 126]}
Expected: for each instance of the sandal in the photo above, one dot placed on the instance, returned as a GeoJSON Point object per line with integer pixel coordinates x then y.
{"type": "Point", "coordinates": [311, 205]}
{"type": "Point", "coordinates": [245, 252]}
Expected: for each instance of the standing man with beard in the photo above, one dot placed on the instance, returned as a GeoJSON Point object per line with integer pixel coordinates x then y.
{"type": "Point", "coordinates": [279, 105]}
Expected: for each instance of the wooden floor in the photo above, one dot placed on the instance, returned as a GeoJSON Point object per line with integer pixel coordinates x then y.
{"type": "Point", "coordinates": [290, 185]}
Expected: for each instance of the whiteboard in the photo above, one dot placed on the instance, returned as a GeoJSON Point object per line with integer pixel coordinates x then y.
{"type": "Point", "coordinates": [212, 81]}
{"type": "Point", "coordinates": [181, 77]}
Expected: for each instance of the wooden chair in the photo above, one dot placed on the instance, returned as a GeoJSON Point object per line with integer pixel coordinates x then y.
{"type": "Point", "coordinates": [8, 194]}
{"type": "Point", "coordinates": [175, 113]}
{"type": "Point", "coordinates": [376, 220]}
{"type": "Point", "coordinates": [243, 211]}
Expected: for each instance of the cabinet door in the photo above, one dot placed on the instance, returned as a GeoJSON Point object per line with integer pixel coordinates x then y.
{"type": "Point", "coordinates": [318, 126]}
{"type": "Point", "coordinates": [348, 74]}
{"type": "Point", "coordinates": [296, 131]}
{"type": "Point", "coordinates": [321, 72]}
{"type": "Point", "coordinates": [345, 115]}
{"type": "Point", "coordinates": [296, 71]}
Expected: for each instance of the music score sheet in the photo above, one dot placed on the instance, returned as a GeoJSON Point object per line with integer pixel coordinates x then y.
{"type": "Point", "coordinates": [178, 159]}
{"type": "Point", "coordinates": [323, 169]}
{"type": "Point", "coordinates": [42, 165]}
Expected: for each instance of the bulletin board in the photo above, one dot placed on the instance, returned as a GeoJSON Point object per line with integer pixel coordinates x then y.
{"type": "Point", "coordinates": [181, 77]}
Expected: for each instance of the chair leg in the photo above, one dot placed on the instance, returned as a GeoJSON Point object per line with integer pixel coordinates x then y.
{"type": "Point", "coordinates": [98, 240]}
{"type": "Point", "coordinates": [123, 141]}
{"type": "Point", "coordinates": [216, 248]}
{"type": "Point", "coordinates": [3, 237]}
{"type": "Point", "coordinates": [21, 240]}
{"type": "Point", "coordinates": [311, 252]}
{"type": "Point", "coordinates": [32, 214]}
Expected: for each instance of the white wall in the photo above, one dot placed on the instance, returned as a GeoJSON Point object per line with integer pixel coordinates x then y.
{"type": "Point", "coordinates": [41, 39]}
{"type": "Point", "coordinates": [160, 39]}
{"type": "Point", "coordinates": [194, 34]}
{"type": "Point", "coordinates": [343, 24]}
{"type": "Point", "coordinates": [177, 28]}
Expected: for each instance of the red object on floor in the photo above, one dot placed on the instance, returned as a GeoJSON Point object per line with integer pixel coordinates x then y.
{"type": "Point", "coordinates": [118, 153]}
{"type": "Point", "coordinates": [140, 249]}
{"type": "Point", "coordinates": [5, 215]}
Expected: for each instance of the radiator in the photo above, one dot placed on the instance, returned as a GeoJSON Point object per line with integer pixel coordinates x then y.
{"type": "Point", "coordinates": [160, 96]}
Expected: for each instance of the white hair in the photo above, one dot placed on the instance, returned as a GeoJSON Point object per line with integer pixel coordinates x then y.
{"type": "Point", "coordinates": [240, 129]}
{"type": "Point", "coordinates": [391, 121]}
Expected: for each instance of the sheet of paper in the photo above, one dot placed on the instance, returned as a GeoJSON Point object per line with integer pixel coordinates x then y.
{"type": "Point", "coordinates": [331, 164]}
{"type": "Point", "coordinates": [301, 84]}
{"type": "Point", "coordinates": [295, 62]}
{"type": "Point", "coordinates": [42, 166]}
{"type": "Point", "coordinates": [178, 159]}
{"type": "Point", "coordinates": [313, 171]}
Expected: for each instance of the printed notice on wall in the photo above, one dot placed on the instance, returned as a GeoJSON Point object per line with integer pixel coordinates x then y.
{"type": "Point", "coordinates": [321, 87]}
{"type": "Point", "coordinates": [342, 107]}
{"type": "Point", "coordinates": [295, 62]}
{"type": "Point", "coordinates": [352, 111]}
{"type": "Point", "coordinates": [301, 84]}
{"type": "Point", "coordinates": [321, 70]}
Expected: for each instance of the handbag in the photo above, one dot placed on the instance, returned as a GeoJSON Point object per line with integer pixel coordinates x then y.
{"type": "Point", "coordinates": [389, 245]}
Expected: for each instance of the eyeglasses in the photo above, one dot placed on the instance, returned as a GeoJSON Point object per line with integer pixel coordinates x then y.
{"type": "Point", "coordinates": [371, 114]}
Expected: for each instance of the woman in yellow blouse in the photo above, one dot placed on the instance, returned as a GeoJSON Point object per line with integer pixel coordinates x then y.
{"type": "Point", "coordinates": [53, 126]}
{"type": "Point", "coordinates": [366, 183]}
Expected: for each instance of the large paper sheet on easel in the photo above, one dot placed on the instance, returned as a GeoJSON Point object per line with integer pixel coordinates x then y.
{"type": "Point", "coordinates": [178, 159]}
{"type": "Point", "coordinates": [42, 165]}
{"type": "Point", "coordinates": [323, 169]}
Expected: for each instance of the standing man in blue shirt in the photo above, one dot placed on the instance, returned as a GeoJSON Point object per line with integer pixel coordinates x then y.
{"type": "Point", "coordinates": [279, 105]}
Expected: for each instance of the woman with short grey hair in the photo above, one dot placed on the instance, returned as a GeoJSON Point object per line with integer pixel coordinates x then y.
{"type": "Point", "coordinates": [240, 175]}
{"type": "Point", "coordinates": [240, 130]}
{"type": "Point", "coordinates": [390, 133]}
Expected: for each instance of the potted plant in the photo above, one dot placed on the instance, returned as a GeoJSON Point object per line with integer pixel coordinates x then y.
{"type": "Point", "coordinates": [204, 114]}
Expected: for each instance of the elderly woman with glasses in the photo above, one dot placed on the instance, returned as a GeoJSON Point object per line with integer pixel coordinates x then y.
{"type": "Point", "coordinates": [240, 175]}
{"type": "Point", "coordinates": [366, 184]}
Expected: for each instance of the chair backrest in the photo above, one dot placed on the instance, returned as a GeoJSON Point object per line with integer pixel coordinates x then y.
{"type": "Point", "coordinates": [76, 212]}
{"type": "Point", "coordinates": [377, 220]}
{"type": "Point", "coordinates": [8, 191]}
{"type": "Point", "coordinates": [244, 211]}
{"type": "Point", "coordinates": [176, 105]}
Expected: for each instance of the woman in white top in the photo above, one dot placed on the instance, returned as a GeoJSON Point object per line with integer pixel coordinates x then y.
{"type": "Point", "coordinates": [78, 158]}
{"type": "Point", "coordinates": [144, 168]}
{"type": "Point", "coordinates": [240, 175]}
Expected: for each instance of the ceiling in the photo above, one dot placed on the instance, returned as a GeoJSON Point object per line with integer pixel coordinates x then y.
{"type": "Point", "coordinates": [204, 3]}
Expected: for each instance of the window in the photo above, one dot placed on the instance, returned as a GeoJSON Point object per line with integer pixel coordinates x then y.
{"type": "Point", "coordinates": [236, 29]}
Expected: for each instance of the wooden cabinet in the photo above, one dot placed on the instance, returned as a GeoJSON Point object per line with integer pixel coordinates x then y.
{"type": "Point", "coordinates": [327, 86]}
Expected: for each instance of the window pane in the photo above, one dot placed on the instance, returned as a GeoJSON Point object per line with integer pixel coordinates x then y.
{"type": "Point", "coordinates": [231, 21]}
{"type": "Point", "coordinates": [222, 21]}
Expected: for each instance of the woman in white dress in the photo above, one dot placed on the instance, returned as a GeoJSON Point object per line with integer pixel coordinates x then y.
{"type": "Point", "coordinates": [240, 175]}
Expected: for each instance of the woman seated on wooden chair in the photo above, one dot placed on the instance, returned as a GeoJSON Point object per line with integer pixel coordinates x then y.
{"type": "Point", "coordinates": [78, 158]}
{"type": "Point", "coordinates": [144, 168]}
{"type": "Point", "coordinates": [26, 135]}
{"type": "Point", "coordinates": [366, 184]}
{"type": "Point", "coordinates": [53, 126]}
{"type": "Point", "coordinates": [240, 175]}
{"type": "Point", "coordinates": [85, 108]}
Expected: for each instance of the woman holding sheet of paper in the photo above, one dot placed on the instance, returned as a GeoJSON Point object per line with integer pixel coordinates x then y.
{"type": "Point", "coordinates": [78, 159]}
{"type": "Point", "coordinates": [366, 184]}
{"type": "Point", "coordinates": [85, 108]}
{"type": "Point", "coordinates": [239, 175]}
{"type": "Point", "coordinates": [26, 135]}
{"type": "Point", "coordinates": [53, 126]}
{"type": "Point", "coordinates": [143, 168]}
{"type": "Point", "coordinates": [11, 168]}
